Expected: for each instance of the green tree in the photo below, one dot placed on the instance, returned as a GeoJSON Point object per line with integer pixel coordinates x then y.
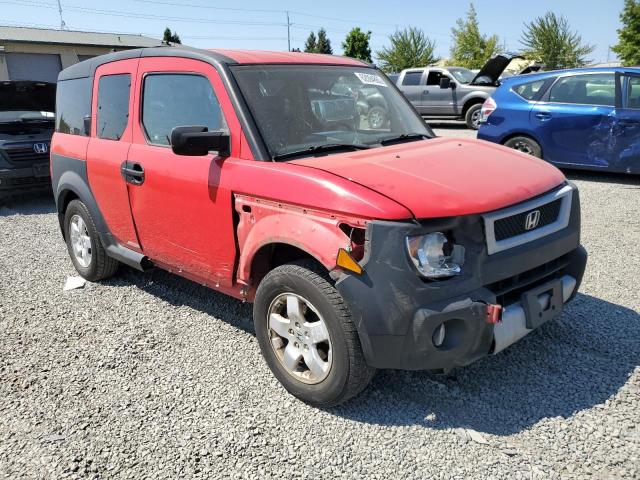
{"type": "Point", "coordinates": [409, 48]}
{"type": "Point", "coordinates": [356, 45]}
{"type": "Point", "coordinates": [628, 47]}
{"type": "Point", "coordinates": [170, 37]}
{"type": "Point", "coordinates": [324, 44]}
{"type": "Point", "coordinates": [311, 45]}
{"type": "Point", "coordinates": [551, 41]}
{"type": "Point", "coordinates": [470, 48]}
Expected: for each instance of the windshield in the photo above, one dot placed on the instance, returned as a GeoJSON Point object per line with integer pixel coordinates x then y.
{"type": "Point", "coordinates": [462, 75]}
{"type": "Point", "coordinates": [317, 108]}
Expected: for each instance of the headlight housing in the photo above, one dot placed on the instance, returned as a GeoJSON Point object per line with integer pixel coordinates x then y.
{"type": "Point", "coordinates": [434, 256]}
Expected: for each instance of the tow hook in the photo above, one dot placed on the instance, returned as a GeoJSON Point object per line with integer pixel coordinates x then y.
{"type": "Point", "coordinates": [494, 314]}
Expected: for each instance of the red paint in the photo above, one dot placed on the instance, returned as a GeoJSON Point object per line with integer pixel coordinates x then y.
{"type": "Point", "coordinates": [445, 177]}
{"type": "Point", "coordinates": [249, 57]}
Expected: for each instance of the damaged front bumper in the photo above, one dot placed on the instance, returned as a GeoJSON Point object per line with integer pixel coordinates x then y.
{"type": "Point", "coordinates": [407, 322]}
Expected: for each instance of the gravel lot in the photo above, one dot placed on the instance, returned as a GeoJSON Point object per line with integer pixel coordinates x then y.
{"type": "Point", "coordinates": [151, 376]}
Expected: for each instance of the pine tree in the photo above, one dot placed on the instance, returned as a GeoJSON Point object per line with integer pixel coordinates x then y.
{"type": "Point", "coordinates": [356, 45]}
{"type": "Point", "coordinates": [628, 47]}
{"type": "Point", "coordinates": [311, 45]}
{"type": "Point", "coordinates": [550, 40]}
{"type": "Point", "coordinates": [170, 37]}
{"type": "Point", "coordinates": [409, 48]}
{"type": "Point", "coordinates": [324, 44]}
{"type": "Point", "coordinates": [470, 48]}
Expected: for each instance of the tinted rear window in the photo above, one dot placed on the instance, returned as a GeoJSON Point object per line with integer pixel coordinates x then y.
{"type": "Point", "coordinates": [73, 103]}
{"type": "Point", "coordinates": [113, 106]}
{"type": "Point", "coordinates": [529, 90]}
{"type": "Point", "coordinates": [412, 78]}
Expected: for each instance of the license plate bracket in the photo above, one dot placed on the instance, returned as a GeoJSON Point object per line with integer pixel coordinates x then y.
{"type": "Point", "coordinates": [537, 308]}
{"type": "Point", "coordinates": [41, 170]}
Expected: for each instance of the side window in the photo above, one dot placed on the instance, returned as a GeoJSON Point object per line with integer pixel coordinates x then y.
{"type": "Point", "coordinates": [73, 104]}
{"type": "Point", "coordinates": [113, 106]}
{"type": "Point", "coordinates": [529, 90]}
{"type": "Point", "coordinates": [633, 93]}
{"type": "Point", "coordinates": [412, 78]}
{"type": "Point", "coordinates": [173, 99]}
{"type": "Point", "coordinates": [434, 78]}
{"type": "Point", "coordinates": [596, 89]}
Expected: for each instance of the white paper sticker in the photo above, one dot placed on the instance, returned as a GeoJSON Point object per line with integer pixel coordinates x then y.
{"type": "Point", "coordinates": [370, 79]}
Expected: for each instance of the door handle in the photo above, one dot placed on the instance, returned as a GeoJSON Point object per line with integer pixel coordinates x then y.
{"type": "Point", "coordinates": [132, 172]}
{"type": "Point", "coordinates": [543, 115]}
{"type": "Point", "coordinates": [425, 92]}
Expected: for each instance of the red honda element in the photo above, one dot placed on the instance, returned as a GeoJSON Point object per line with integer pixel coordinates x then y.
{"type": "Point", "coordinates": [363, 241]}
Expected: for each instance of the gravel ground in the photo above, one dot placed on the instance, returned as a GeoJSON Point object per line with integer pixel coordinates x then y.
{"type": "Point", "coordinates": [151, 376]}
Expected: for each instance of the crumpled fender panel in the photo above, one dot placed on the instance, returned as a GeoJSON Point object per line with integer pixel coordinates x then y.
{"type": "Point", "coordinates": [263, 222]}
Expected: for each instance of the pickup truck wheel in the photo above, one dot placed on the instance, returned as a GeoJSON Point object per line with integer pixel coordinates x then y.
{"type": "Point", "coordinates": [377, 118]}
{"type": "Point", "coordinates": [472, 117]}
{"type": "Point", "coordinates": [525, 145]}
{"type": "Point", "coordinates": [307, 336]}
{"type": "Point", "coordinates": [88, 255]}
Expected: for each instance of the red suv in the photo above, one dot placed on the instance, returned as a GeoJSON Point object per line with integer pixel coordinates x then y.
{"type": "Point", "coordinates": [363, 243]}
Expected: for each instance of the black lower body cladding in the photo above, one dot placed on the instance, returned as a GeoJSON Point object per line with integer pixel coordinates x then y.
{"type": "Point", "coordinates": [398, 313]}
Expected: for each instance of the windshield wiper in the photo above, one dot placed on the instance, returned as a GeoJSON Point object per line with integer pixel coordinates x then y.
{"type": "Point", "coordinates": [329, 147]}
{"type": "Point", "coordinates": [405, 137]}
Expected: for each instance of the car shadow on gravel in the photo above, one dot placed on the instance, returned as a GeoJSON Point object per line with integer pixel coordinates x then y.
{"type": "Point", "coordinates": [39, 203]}
{"type": "Point", "coordinates": [571, 364]}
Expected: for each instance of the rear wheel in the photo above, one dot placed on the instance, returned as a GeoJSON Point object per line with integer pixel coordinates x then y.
{"type": "Point", "coordinates": [307, 336]}
{"type": "Point", "coordinates": [88, 255]}
{"type": "Point", "coordinates": [377, 118]}
{"type": "Point", "coordinates": [472, 117]}
{"type": "Point", "coordinates": [525, 145]}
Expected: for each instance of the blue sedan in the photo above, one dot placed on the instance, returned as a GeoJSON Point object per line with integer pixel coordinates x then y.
{"type": "Point", "coordinates": [584, 118]}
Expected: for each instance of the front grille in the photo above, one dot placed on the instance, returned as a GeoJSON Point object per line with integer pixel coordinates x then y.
{"type": "Point", "coordinates": [25, 181]}
{"type": "Point", "coordinates": [516, 224]}
{"type": "Point", "coordinates": [26, 154]}
{"type": "Point", "coordinates": [509, 290]}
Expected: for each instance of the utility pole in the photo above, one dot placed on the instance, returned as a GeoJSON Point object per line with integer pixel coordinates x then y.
{"type": "Point", "coordinates": [288, 32]}
{"type": "Point", "coordinates": [62, 24]}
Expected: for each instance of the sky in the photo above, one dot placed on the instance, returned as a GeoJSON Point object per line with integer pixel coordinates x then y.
{"type": "Point", "coordinates": [254, 24]}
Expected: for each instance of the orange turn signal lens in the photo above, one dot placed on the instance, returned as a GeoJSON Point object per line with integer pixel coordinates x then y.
{"type": "Point", "coordinates": [347, 262]}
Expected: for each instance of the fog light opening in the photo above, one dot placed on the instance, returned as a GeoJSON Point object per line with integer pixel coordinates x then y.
{"type": "Point", "coordinates": [438, 336]}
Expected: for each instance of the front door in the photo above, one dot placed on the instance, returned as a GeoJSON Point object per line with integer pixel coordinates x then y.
{"type": "Point", "coordinates": [625, 155]}
{"type": "Point", "coordinates": [574, 119]}
{"type": "Point", "coordinates": [437, 101]}
{"type": "Point", "coordinates": [182, 213]}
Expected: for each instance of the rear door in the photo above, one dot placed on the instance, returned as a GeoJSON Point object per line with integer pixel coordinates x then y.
{"type": "Point", "coordinates": [183, 215]}
{"type": "Point", "coordinates": [111, 133]}
{"type": "Point", "coordinates": [412, 86]}
{"type": "Point", "coordinates": [574, 118]}
{"type": "Point", "coordinates": [625, 154]}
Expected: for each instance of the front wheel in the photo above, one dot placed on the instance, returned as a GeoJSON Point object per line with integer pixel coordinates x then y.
{"type": "Point", "coordinates": [377, 118]}
{"type": "Point", "coordinates": [525, 145]}
{"type": "Point", "coordinates": [307, 337]}
{"type": "Point", "coordinates": [472, 117]}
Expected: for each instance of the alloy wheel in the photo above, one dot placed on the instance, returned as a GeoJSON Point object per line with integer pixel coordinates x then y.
{"type": "Point", "coordinates": [80, 241]}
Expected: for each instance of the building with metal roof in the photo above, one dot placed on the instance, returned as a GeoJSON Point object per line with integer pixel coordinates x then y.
{"type": "Point", "coordinates": [40, 54]}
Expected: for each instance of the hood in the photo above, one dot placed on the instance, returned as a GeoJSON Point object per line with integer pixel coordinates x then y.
{"type": "Point", "coordinates": [491, 71]}
{"type": "Point", "coordinates": [27, 96]}
{"type": "Point", "coordinates": [533, 68]}
{"type": "Point", "coordinates": [444, 177]}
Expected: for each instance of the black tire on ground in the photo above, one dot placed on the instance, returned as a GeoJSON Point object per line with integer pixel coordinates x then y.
{"type": "Point", "coordinates": [525, 145]}
{"type": "Point", "coordinates": [377, 118]}
{"type": "Point", "coordinates": [472, 117]}
{"type": "Point", "coordinates": [101, 265]}
{"type": "Point", "coordinates": [349, 373]}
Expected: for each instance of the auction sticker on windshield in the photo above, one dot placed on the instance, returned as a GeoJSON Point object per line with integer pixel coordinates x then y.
{"type": "Point", "coordinates": [369, 79]}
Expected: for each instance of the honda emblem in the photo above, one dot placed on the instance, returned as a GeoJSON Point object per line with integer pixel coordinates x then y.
{"type": "Point", "coordinates": [40, 147]}
{"type": "Point", "coordinates": [532, 220]}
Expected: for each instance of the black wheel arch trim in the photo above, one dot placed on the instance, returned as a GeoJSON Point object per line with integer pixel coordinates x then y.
{"type": "Point", "coordinates": [69, 177]}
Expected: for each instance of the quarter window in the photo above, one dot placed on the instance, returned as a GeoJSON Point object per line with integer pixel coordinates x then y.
{"type": "Point", "coordinates": [113, 106]}
{"type": "Point", "coordinates": [529, 90]}
{"type": "Point", "coordinates": [73, 104]}
{"type": "Point", "coordinates": [596, 89]}
{"type": "Point", "coordinates": [173, 100]}
{"type": "Point", "coordinates": [412, 78]}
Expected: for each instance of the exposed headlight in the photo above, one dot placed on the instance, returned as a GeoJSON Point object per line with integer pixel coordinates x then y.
{"type": "Point", "coordinates": [434, 256]}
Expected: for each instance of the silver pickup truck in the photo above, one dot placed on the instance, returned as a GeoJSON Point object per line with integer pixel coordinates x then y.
{"type": "Point", "coordinates": [452, 92]}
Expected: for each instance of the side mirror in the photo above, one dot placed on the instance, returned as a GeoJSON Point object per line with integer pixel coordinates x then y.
{"type": "Point", "coordinates": [197, 140]}
{"type": "Point", "coordinates": [445, 82]}
{"type": "Point", "coordinates": [86, 125]}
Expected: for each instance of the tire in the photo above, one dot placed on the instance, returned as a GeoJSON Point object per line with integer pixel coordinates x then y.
{"type": "Point", "coordinates": [377, 118]}
{"type": "Point", "coordinates": [472, 117]}
{"type": "Point", "coordinates": [347, 373]}
{"type": "Point", "coordinates": [97, 265]}
{"type": "Point", "coordinates": [525, 145]}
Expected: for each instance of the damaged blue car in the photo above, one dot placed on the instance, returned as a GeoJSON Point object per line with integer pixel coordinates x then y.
{"type": "Point", "coordinates": [585, 118]}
